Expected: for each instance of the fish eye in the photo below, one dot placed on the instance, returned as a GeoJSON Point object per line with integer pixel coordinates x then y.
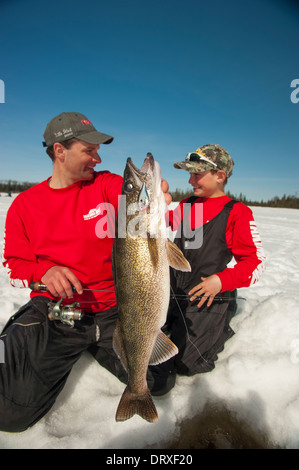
{"type": "Point", "coordinates": [129, 187]}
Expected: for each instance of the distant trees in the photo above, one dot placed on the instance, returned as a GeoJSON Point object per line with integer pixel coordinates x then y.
{"type": "Point", "coordinates": [179, 194]}
{"type": "Point", "coordinates": [11, 186]}
{"type": "Point", "coordinates": [291, 202]}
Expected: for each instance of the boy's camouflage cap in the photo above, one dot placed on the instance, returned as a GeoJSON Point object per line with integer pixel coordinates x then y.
{"type": "Point", "coordinates": [216, 154]}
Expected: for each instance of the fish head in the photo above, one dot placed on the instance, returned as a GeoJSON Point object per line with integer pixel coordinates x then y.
{"type": "Point", "coordinates": [144, 195]}
{"type": "Point", "coordinates": [137, 183]}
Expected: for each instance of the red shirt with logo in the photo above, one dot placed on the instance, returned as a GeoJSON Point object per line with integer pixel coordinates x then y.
{"type": "Point", "coordinates": [72, 227]}
{"type": "Point", "coordinates": [242, 238]}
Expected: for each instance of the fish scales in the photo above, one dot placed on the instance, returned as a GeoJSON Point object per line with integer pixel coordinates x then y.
{"type": "Point", "coordinates": [141, 261]}
{"type": "Point", "coordinates": [140, 315]}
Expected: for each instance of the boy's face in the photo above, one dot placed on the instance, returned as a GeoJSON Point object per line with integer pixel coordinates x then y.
{"type": "Point", "coordinates": [207, 183]}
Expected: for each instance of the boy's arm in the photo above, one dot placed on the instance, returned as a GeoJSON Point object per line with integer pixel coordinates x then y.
{"type": "Point", "coordinates": [244, 242]}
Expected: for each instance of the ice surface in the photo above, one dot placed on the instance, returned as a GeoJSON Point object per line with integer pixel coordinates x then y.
{"type": "Point", "coordinates": [255, 382]}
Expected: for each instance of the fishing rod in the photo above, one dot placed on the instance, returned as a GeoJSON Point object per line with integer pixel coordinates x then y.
{"type": "Point", "coordinates": [39, 286]}
{"type": "Point", "coordinates": [70, 312]}
{"type": "Point", "coordinates": [65, 313]}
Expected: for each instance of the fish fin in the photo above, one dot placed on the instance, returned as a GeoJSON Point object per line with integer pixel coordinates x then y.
{"type": "Point", "coordinates": [133, 403]}
{"type": "Point", "coordinates": [163, 350]}
{"type": "Point", "coordinates": [118, 346]}
{"type": "Point", "coordinates": [176, 259]}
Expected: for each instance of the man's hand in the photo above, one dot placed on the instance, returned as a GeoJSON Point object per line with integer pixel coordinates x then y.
{"type": "Point", "coordinates": [59, 281]}
{"type": "Point", "coordinates": [208, 288]}
{"type": "Point", "coordinates": [165, 188]}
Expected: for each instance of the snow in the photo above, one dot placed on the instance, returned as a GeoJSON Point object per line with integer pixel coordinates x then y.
{"type": "Point", "coordinates": [253, 390]}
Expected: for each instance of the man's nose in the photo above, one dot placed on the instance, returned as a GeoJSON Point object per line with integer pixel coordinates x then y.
{"type": "Point", "coordinates": [97, 158]}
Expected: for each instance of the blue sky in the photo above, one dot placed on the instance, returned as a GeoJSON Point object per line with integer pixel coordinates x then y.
{"type": "Point", "coordinates": [164, 76]}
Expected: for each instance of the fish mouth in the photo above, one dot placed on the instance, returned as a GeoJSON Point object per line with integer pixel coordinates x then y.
{"type": "Point", "coordinates": [146, 169]}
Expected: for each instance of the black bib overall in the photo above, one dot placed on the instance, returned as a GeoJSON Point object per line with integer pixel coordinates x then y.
{"type": "Point", "coordinates": [200, 333]}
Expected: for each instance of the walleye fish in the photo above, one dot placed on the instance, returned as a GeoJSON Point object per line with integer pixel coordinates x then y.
{"type": "Point", "coordinates": [141, 258]}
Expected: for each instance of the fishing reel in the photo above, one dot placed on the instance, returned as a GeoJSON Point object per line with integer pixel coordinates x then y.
{"type": "Point", "coordinates": [65, 313]}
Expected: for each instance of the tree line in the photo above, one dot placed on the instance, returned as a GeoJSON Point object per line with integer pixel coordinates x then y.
{"type": "Point", "coordinates": [11, 186]}
{"type": "Point", "coordinates": [292, 202]}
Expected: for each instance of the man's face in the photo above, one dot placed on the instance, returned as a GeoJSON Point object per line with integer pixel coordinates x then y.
{"type": "Point", "coordinates": [79, 162]}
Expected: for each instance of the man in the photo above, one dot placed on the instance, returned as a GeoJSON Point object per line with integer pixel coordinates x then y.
{"type": "Point", "coordinates": [60, 233]}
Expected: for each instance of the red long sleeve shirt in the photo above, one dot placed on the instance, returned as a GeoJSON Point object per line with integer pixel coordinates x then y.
{"type": "Point", "coordinates": [242, 238]}
{"type": "Point", "coordinates": [70, 227]}
{"type": "Point", "coordinates": [74, 227]}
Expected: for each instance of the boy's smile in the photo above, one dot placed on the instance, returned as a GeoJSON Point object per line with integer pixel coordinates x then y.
{"type": "Point", "coordinates": [207, 183]}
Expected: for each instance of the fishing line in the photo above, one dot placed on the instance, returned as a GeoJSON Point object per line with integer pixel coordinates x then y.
{"type": "Point", "coordinates": [186, 296]}
{"type": "Point", "coordinates": [187, 332]}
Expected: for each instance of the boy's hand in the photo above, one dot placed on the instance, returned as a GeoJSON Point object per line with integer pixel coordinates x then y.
{"type": "Point", "coordinates": [208, 288]}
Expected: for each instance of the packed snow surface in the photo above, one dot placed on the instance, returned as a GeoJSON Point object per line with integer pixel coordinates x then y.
{"type": "Point", "coordinates": [255, 384]}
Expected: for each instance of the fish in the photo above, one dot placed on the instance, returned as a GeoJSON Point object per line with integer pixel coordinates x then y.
{"type": "Point", "coordinates": [141, 256]}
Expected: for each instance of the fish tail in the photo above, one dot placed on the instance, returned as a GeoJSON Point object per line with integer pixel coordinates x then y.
{"type": "Point", "coordinates": [133, 403]}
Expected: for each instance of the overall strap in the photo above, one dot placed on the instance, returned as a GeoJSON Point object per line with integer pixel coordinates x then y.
{"type": "Point", "coordinates": [229, 204]}
{"type": "Point", "coordinates": [192, 199]}
{"type": "Point", "coordinates": [206, 249]}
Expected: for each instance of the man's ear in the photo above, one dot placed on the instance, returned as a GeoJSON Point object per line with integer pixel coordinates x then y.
{"type": "Point", "coordinates": [59, 151]}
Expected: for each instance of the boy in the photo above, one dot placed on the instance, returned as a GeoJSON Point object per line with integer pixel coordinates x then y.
{"type": "Point", "coordinates": [204, 300]}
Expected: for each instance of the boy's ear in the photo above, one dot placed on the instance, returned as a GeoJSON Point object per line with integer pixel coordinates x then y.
{"type": "Point", "coordinates": [221, 176]}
